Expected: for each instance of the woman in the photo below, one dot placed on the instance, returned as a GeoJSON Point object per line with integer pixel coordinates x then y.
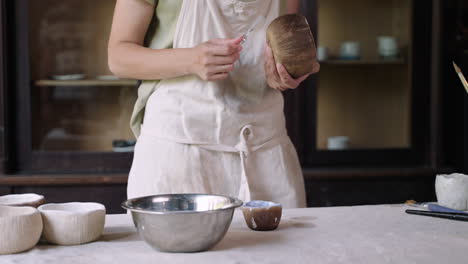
{"type": "Point", "coordinates": [214, 122]}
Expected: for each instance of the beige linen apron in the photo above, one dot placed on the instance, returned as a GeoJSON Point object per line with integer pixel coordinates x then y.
{"type": "Point", "coordinates": [225, 137]}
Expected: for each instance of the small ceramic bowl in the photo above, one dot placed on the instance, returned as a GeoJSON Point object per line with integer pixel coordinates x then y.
{"type": "Point", "coordinates": [20, 228]}
{"type": "Point", "coordinates": [25, 199]}
{"type": "Point", "coordinates": [262, 215]}
{"type": "Point", "coordinates": [73, 223]}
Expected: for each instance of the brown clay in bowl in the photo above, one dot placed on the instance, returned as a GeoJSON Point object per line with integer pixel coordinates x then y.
{"type": "Point", "coordinates": [262, 215]}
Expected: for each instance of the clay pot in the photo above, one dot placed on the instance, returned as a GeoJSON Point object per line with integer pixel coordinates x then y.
{"type": "Point", "coordinates": [73, 223]}
{"type": "Point", "coordinates": [20, 228]}
{"type": "Point", "coordinates": [26, 199]}
{"type": "Point", "coordinates": [452, 191]}
{"type": "Point", "coordinates": [292, 43]}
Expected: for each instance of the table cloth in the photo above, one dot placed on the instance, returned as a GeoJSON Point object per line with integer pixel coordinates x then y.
{"type": "Point", "coordinates": [359, 234]}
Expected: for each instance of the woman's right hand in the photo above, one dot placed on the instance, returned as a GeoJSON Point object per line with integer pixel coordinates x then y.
{"type": "Point", "coordinates": [214, 59]}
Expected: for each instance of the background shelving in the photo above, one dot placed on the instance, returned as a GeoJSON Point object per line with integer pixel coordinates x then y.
{"type": "Point", "coordinates": [86, 83]}
{"type": "Point", "coordinates": [367, 100]}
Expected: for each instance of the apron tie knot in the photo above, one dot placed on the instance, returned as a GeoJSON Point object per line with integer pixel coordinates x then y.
{"type": "Point", "coordinates": [246, 134]}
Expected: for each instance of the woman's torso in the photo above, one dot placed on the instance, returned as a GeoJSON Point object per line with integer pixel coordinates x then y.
{"type": "Point", "coordinates": [189, 109]}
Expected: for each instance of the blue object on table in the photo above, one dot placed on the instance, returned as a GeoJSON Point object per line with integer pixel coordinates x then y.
{"type": "Point", "coordinates": [451, 216]}
{"type": "Point", "coordinates": [443, 209]}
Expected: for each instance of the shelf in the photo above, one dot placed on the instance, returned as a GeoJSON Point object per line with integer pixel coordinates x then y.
{"type": "Point", "coordinates": [86, 83]}
{"type": "Point", "coordinates": [309, 174]}
{"type": "Point", "coordinates": [364, 62]}
{"type": "Point", "coordinates": [66, 179]}
{"type": "Point", "coordinates": [371, 173]}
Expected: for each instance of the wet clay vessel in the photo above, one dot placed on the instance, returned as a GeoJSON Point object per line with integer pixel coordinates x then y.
{"type": "Point", "coordinates": [292, 44]}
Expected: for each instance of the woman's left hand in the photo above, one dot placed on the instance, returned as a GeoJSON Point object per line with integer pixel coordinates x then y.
{"type": "Point", "coordinates": [277, 76]}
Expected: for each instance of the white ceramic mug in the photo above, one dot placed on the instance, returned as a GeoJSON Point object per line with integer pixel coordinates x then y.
{"type": "Point", "coordinates": [350, 50]}
{"type": "Point", "coordinates": [322, 53]}
{"type": "Point", "coordinates": [387, 46]}
{"type": "Point", "coordinates": [452, 191]}
{"type": "Point", "coordinates": [338, 143]}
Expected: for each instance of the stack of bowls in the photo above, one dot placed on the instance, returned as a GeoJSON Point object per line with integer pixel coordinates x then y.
{"type": "Point", "coordinates": [21, 224]}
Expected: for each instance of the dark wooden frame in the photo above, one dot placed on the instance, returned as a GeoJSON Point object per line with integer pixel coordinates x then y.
{"type": "Point", "coordinates": [304, 100]}
{"type": "Point", "coordinates": [436, 104]}
{"type": "Point", "coordinates": [27, 159]}
{"type": "Point", "coordinates": [5, 81]}
{"type": "Point", "coordinates": [2, 75]}
{"type": "Point", "coordinates": [454, 100]}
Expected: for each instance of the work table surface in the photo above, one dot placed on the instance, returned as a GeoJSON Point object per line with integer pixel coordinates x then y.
{"type": "Point", "coordinates": [360, 234]}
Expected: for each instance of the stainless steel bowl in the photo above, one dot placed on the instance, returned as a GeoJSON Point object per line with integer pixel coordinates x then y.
{"type": "Point", "coordinates": [182, 222]}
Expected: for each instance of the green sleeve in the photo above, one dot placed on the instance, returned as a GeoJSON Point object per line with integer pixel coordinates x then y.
{"type": "Point", "coordinates": [153, 2]}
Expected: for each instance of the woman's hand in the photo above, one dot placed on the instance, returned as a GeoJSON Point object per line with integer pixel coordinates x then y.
{"type": "Point", "coordinates": [278, 77]}
{"type": "Point", "coordinates": [214, 59]}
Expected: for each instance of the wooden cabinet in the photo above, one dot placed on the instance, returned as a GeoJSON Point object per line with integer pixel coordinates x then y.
{"type": "Point", "coordinates": [379, 105]}
{"type": "Point", "coordinates": [404, 116]}
{"type": "Point", "coordinates": [366, 99]}
{"type": "Point", "coordinates": [70, 110]}
{"type": "Point", "coordinates": [451, 42]}
{"type": "Point", "coordinates": [72, 114]}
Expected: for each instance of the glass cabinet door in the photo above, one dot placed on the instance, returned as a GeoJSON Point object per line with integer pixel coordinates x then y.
{"type": "Point", "coordinates": [370, 104]}
{"type": "Point", "coordinates": [76, 102]}
{"type": "Point", "coordinates": [72, 114]}
{"type": "Point", "coordinates": [364, 86]}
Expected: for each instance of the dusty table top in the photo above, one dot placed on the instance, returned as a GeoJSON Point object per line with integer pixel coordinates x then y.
{"type": "Point", "coordinates": [360, 234]}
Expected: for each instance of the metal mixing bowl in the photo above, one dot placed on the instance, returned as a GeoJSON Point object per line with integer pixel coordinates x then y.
{"type": "Point", "coordinates": [182, 222]}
